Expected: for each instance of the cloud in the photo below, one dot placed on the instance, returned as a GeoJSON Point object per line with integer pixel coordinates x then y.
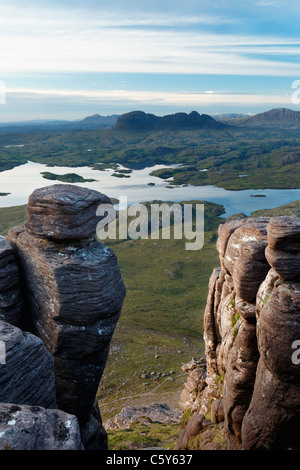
{"type": "Point", "coordinates": [145, 97]}
{"type": "Point", "coordinates": [73, 40]}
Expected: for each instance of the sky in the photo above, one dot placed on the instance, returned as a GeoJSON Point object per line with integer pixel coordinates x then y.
{"type": "Point", "coordinates": [70, 59]}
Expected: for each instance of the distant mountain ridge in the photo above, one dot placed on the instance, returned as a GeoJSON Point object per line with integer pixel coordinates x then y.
{"type": "Point", "coordinates": [137, 121]}
{"type": "Point", "coordinates": [275, 118]}
{"type": "Point", "coordinates": [96, 121]}
{"type": "Point", "coordinates": [229, 116]}
{"type": "Point", "coordinates": [140, 121]}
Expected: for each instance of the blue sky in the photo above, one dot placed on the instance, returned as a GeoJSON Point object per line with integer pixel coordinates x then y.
{"type": "Point", "coordinates": [70, 59]}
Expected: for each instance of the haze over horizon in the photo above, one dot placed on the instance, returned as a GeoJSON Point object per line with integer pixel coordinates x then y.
{"type": "Point", "coordinates": [68, 60]}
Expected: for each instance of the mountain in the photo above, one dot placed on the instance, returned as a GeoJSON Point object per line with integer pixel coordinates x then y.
{"type": "Point", "coordinates": [140, 121]}
{"type": "Point", "coordinates": [98, 121]}
{"type": "Point", "coordinates": [228, 116]}
{"type": "Point", "coordinates": [275, 118]}
{"type": "Point", "coordinates": [95, 121]}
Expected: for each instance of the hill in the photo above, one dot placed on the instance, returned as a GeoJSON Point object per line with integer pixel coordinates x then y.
{"type": "Point", "coordinates": [281, 118]}
{"type": "Point", "coordinates": [96, 121]}
{"type": "Point", "coordinates": [136, 121]}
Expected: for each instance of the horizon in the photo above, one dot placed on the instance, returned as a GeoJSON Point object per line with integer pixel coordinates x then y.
{"type": "Point", "coordinates": [67, 61]}
{"type": "Point", "coordinates": [45, 121]}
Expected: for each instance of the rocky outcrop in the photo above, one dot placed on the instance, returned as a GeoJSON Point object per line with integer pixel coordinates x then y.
{"type": "Point", "coordinates": [74, 294]}
{"type": "Point", "coordinates": [154, 413]}
{"type": "Point", "coordinates": [63, 212]}
{"type": "Point", "coordinates": [34, 428]}
{"type": "Point", "coordinates": [137, 121]}
{"type": "Point", "coordinates": [251, 322]}
{"type": "Point", "coordinates": [193, 390]}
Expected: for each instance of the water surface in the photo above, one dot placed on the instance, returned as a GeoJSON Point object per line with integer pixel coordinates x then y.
{"type": "Point", "coordinates": [21, 181]}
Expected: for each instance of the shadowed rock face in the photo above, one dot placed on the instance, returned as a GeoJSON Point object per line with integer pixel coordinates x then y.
{"type": "Point", "coordinates": [11, 299]}
{"type": "Point", "coordinates": [75, 293]}
{"type": "Point", "coordinates": [27, 375]}
{"type": "Point", "coordinates": [251, 321]}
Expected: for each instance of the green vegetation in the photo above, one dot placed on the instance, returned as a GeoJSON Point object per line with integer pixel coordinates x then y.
{"type": "Point", "coordinates": [234, 335]}
{"type": "Point", "coordinates": [292, 209]}
{"type": "Point", "coordinates": [217, 435]}
{"type": "Point", "coordinates": [186, 417]}
{"type": "Point", "coordinates": [266, 300]}
{"type": "Point", "coordinates": [120, 175]}
{"type": "Point", "coordinates": [219, 379]}
{"type": "Point", "coordinates": [235, 318]}
{"type": "Point", "coordinates": [141, 435]}
{"type": "Point", "coordinates": [270, 158]}
{"type": "Point", "coordinates": [11, 216]}
{"type": "Point", "coordinates": [67, 178]}
{"type": "Point", "coordinates": [161, 325]}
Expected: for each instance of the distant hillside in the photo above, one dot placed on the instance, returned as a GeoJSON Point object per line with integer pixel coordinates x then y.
{"type": "Point", "coordinates": [275, 118]}
{"type": "Point", "coordinates": [292, 209]}
{"type": "Point", "coordinates": [95, 121]}
{"type": "Point", "coordinates": [140, 121]}
{"type": "Point", "coordinates": [228, 116]}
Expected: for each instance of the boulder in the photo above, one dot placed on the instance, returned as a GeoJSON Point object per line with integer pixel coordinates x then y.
{"type": "Point", "coordinates": [64, 212]}
{"type": "Point", "coordinates": [284, 233]}
{"type": "Point", "coordinates": [35, 428]}
{"type": "Point", "coordinates": [153, 413]}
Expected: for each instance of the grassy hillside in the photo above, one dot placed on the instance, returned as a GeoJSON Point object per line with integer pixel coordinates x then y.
{"type": "Point", "coordinates": [11, 216]}
{"type": "Point", "coordinates": [161, 325]}
{"type": "Point", "coordinates": [292, 209]}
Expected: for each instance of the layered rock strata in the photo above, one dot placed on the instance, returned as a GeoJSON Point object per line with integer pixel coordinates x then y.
{"type": "Point", "coordinates": [11, 298]}
{"type": "Point", "coordinates": [74, 292]}
{"type": "Point", "coordinates": [251, 322]}
{"type": "Point", "coordinates": [29, 418]}
{"type": "Point", "coordinates": [27, 375]}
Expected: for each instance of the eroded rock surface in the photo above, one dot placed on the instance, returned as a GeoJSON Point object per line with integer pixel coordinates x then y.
{"type": "Point", "coordinates": [251, 321]}
{"type": "Point", "coordinates": [74, 293]}
{"type": "Point", "coordinates": [26, 372]}
{"type": "Point", "coordinates": [64, 212]}
{"type": "Point", "coordinates": [11, 298]}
